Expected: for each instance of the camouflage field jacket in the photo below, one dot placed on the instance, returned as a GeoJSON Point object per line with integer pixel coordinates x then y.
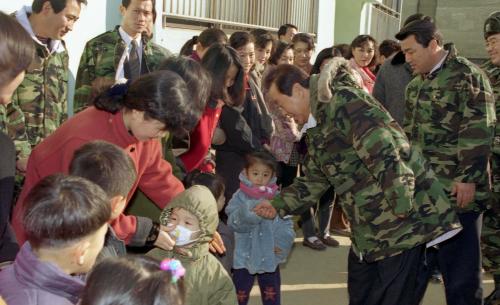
{"type": "Point", "coordinates": [450, 116]}
{"type": "Point", "coordinates": [359, 149]}
{"type": "Point", "coordinates": [42, 96]}
{"type": "Point", "coordinates": [493, 73]}
{"type": "Point", "coordinates": [101, 57]}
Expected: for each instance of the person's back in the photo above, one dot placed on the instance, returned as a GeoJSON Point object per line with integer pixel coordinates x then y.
{"type": "Point", "coordinates": [115, 281]}
{"type": "Point", "coordinates": [66, 220]}
{"type": "Point", "coordinates": [109, 167]}
{"type": "Point", "coordinates": [192, 218]}
{"type": "Point", "coordinates": [390, 85]}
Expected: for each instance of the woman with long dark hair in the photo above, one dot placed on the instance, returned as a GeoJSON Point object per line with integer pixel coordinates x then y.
{"type": "Point", "coordinates": [248, 126]}
{"type": "Point", "coordinates": [133, 117]}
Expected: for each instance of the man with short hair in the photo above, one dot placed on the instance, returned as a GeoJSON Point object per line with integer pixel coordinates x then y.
{"type": "Point", "coordinates": [491, 218]}
{"type": "Point", "coordinates": [450, 117]}
{"type": "Point", "coordinates": [42, 96]}
{"type": "Point", "coordinates": [125, 52]}
{"type": "Point", "coordinates": [393, 201]}
{"type": "Point", "coordinates": [286, 32]}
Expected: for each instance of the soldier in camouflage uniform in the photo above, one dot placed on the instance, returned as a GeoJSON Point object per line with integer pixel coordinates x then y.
{"type": "Point", "coordinates": [13, 124]}
{"type": "Point", "coordinates": [42, 96]}
{"type": "Point", "coordinates": [393, 201]}
{"type": "Point", "coordinates": [107, 55]}
{"type": "Point", "coordinates": [491, 222]}
{"type": "Point", "coordinates": [450, 117]}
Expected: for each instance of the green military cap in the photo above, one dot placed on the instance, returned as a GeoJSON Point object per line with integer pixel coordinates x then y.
{"type": "Point", "coordinates": [492, 24]}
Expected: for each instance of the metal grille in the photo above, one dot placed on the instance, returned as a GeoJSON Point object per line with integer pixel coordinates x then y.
{"type": "Point", "coordinates": [384, 20]}
{"type": "Point", "coordinates": [250, 13]}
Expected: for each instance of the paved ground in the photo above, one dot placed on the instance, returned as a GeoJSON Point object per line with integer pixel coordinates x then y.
{"type": "Point", "coordinates": [320, 278]}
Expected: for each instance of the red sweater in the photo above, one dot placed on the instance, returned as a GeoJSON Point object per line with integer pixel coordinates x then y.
{"type": "Point", "coordinates": [200, 138]}
{"type": "Point", "coordinates": [54, 154]}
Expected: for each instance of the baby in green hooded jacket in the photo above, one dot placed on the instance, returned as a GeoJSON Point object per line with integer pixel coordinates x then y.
{"type": "Point", "coordinates": [192, 218]}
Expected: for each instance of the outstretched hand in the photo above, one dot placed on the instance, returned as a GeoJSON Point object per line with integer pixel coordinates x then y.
{"type": "Point", "coordinates": [265, 209]}
{"type": "Point", "coordinates": [164, 240]}
{"type": "Point", "coordinates": [216, 245]}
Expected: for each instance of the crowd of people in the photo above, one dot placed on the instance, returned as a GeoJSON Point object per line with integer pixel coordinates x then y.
{"type": "Point", "coordinates": [176, 179]}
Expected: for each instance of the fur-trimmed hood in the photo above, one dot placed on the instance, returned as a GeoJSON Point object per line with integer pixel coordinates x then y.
{"type": "Point", "coordinates": [336, 73]}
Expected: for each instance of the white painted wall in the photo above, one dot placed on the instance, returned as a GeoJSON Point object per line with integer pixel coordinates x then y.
{"type": "Point", "coordinates": [95, 18]}
{"type": "Point", "coordinates": [103, 15]}
{"type": "Point", "coordinates": [326, 24]}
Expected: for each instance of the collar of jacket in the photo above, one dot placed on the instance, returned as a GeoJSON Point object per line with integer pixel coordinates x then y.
{"type": "Point", "coordinates": [492, 71]}
{"type": "Point", "coordinates": [337, 73]}
{"type": "Point", "coordinates": [452, 55]}
{"type": "Point", "coordinates": [192, 254]}
{"type": "Point", "coordinates": [120, 45]}
{"type": "Point", "coordinates": [120, 130]}
{"type": "Point", "coordinates": [46, 276]}
{"type": "Point", "coordinates": [255, 192]}
{"type": "Point", "coordinates": [399, 59]}
{"type": "Point", "coordinates": [57, 46]}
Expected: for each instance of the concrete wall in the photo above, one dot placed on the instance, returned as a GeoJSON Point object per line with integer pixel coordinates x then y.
{"type": "Point", "coordinates": [347, 20]}
{"type": "Point", "coordinates": [460, 21]}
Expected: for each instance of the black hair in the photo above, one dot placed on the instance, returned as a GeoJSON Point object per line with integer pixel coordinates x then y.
{"type": "Point", "coordinates": [281, 47]}
{"type": "Point", "coordinates": [417, 16]}
{"type": "Point", "coordinates": [285, 76]}
{"type": "Point", "coordinates": [282, 30]}
{"type": "Point", "coordinates": [215, 183]}
{"type": "Point", "coordinates": [105, 164]}
{"type": "Point", "coordinates": [62, 209]}
{"type": "Point", "coordinates": [344, 49]}
{"type": "Point", "coordinates": [17, 48]}
{"type": "Point", "coordinates": [197, 79]}
{"type": "Point", "coordinates": [262, 38]}
{"type": "Point", "coordinates": [389, 47]}
{"type": "Point", "coordinates": [161, 95]}
{"type": "Point", "coordinates": [424, 31]}
{"type": "Point", "coordinates": [240, 39]}
{"type": "Point", "coordinates": [325, 54]}
{"type": "Point", "coordinates": [187, 48]}
{"type": "Point", "coordinates": [217, 61]}
{"type": "Point", "coordinates": [262, 157]}
{"type": "Point", "coordinates": [359, 42]}
{"type": "Point", "coordinates": [57, 5]}
{"type": "Point", "coordinates": [258, 32]}
{"type": "Point", "coordinates": [305, 38]}
{"type": "Point", "coordinates": [131, 280]}
{"type": "Point", "coordinates": [206, 38]}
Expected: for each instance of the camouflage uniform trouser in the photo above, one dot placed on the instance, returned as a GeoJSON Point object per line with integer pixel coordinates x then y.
{"type": "Point", "coordinates": [491, 237]}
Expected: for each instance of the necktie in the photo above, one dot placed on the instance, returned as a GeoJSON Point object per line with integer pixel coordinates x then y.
{"type": "Point", "coordinates": [133, 65]}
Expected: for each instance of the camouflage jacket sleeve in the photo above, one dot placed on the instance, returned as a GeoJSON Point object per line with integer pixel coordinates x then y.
{"type": "Point", "coordinates": [476, 128]}
{"type": "Point", "coordinates": [493, 73]}
{"type": "Point", "coordinates": [84, 78]}
{"type": "Point", "coordinates": [382, 148]}
{"type": "Point", "coordinates": [13, 124]}
{"type": "Point", "coordinates": [304, 192]}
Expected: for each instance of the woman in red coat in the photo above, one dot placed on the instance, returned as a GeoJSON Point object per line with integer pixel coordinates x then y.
{"type": "Point", "coordinates": [133, 118]}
